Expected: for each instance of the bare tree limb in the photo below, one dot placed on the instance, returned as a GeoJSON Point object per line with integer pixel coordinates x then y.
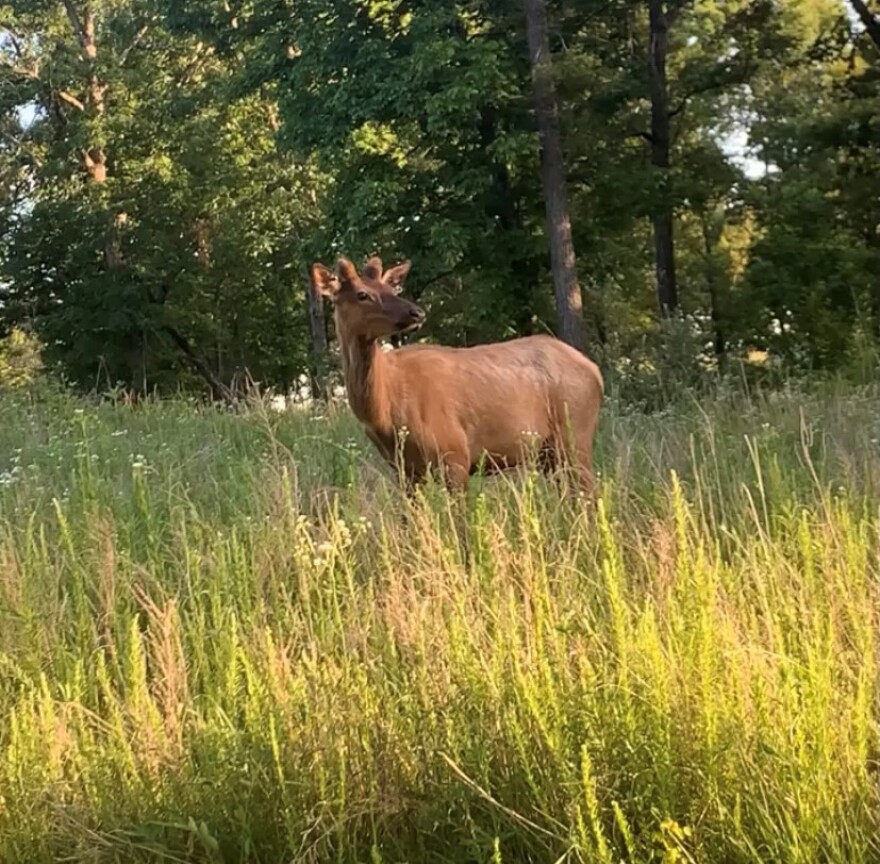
{"type": "Point", "coordinates": [218, 388]}
{"type": "Point", "coordinates": [30, 74]}
{"type": "Point", "coordinates": [640, 134]}
{"type": "Point", "coordinates": [70, 99]}
{"type": "Point", "coordinates": [15, 40]}
{"type": "Point", "coordinates": [682, 104]}
{"type": "Point", "coordinates": [437, 278]}
{"type": "Point", "coordinates": [134, 43]}
{"type": "Point", "coordinates": [870, 21]}
{"type": "Point", "coordinates": [716, 80]}
{"type": "Point", "coordinates": [11, 139]}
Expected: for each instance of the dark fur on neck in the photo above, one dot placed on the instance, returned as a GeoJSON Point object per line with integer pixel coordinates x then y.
{"type": "Point", "coordinates": [365, 370]}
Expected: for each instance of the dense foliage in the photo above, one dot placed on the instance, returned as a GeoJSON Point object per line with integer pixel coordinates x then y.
{"type": "Point", "coordinates": [168, 170]}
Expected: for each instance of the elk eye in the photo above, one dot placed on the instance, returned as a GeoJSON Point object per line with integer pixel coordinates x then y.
{"type": "Point", "coordinates": [362, 295]}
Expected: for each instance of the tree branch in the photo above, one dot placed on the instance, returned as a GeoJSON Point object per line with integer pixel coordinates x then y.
{"type": "Point", "coordinates": [872, 23]}
{"type": "Point", "coordinates": [437, 278]}
{"type": "Point", "coordinates": [720, 77]}
{"type": "Point", "coordinates": [11, 139]}
{"type": "Point", "coordinates": [202, 52]}
{"type": "Point", "coordinates": [682, 104]}
{"type": "Point", "coordinates": [15, 40]}
{"type": "Point", "coordinates": [218, 388]}
{"type": "Point", "coordinates": [647, 136]}
{"type": "Point", "coordinates": [29, 74]}
{"type": "Point", "coordinates": [134, 43]}
{"type": "Point", "coordinates": [70, 99]}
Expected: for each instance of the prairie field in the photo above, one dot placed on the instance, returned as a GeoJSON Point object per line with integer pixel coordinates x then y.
{"type": "Point", "coordinates": [227, 637]}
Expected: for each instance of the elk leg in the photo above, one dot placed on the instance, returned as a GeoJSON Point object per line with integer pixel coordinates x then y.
{"type": "Point", "coordinates": [412, 476]}
{"type": "Point", "coordinates": [549, 458]}
{"type": "Point", "coordinates": [575, 459]}
{"type": "Point", "coordinates": [586, 478]}
{"type": "Point", "coordinates": [456, 475]}
{"type": "Point", "coordinates": [582, 459]}
{"type": "Point", "coordinates": [455, 466]}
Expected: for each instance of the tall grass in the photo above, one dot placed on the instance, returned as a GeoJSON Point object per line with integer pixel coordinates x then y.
{"type": "Point", "coordinates": [226, 637]}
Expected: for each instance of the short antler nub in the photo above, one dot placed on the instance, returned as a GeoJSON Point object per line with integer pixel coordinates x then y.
{"type": "Point", "coordinates": [373, 268]}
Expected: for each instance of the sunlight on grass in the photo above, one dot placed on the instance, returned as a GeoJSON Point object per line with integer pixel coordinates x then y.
{"type": "Point", "coordinates": [225, 637]}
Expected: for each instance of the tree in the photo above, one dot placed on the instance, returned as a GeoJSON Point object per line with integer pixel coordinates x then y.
{"type": "Point", "coordinates": [169, 170]}
{"type": "Point", "coordinates": [167, 248]}
{"type": "Point", "coordinates": [814, 269]}
{"type": "Point", "coordinates": [653, 189]}
{"type": "Point", "coordinates": [660, 18]}
{"type": "Point", "coordinates": [428, 139]}
{"type": "Point", "coordinates": [569, 308]}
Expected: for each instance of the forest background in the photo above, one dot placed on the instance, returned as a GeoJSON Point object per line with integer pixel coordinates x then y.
{"type": "Point", "coordinates": [169, 170]}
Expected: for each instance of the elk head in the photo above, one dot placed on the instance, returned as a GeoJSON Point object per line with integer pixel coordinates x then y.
{"type": "Point", "coordinates": [367, 305]}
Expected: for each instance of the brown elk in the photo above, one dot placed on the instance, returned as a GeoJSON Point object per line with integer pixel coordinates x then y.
{"type": "Point", "coordinates": [453, 409]}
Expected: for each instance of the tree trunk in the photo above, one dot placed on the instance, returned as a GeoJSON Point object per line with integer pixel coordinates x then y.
{"type": "Point", "coordinates": [868, 19]}
{"type": "Point", "coordinates": [114, 261]}
{"type": "Point", "coordinates": [871, 23]}
{"type": "Point", "coordinates": [662, 218]}
{"type": "Point", "coordinates": [569, 303]}
{"type": "Point", "coordinates": [94, 159]}
{"type": "Point", "coordinates": [319, 341]}
{"type": "Point", "coordinates": [713, 283]}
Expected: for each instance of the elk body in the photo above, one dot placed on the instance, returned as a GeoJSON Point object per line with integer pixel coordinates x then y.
{"type": "Point", "coordinates": [455, 409]}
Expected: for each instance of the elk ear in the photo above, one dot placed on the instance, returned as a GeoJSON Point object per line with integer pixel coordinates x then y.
{"type": "Point", "coordinates": [373, 268]}
{"type": "Point", "coordinates": [324, 281]}
{"type": "Point", "coordinates": [346, 271]}
{"type": "Point", "coordinates": [395, 276]}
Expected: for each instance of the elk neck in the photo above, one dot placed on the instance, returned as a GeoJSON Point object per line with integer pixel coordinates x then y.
{"type": "Point", "coordinates": [366, 372]}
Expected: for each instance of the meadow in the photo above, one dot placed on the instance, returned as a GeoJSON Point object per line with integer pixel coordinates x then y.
{"type": "Point", "coordinates": [226, 637]}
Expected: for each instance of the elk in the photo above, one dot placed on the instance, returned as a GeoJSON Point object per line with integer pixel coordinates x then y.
{"type": "Point", "coordinates": [433, 407]}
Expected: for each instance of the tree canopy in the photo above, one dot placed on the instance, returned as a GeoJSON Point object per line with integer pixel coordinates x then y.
{"type": "Point", "coordinates": [168, 171]}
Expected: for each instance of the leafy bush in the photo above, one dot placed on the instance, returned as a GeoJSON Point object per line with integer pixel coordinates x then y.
{"type": "Point", "coordinates": [20, 359]}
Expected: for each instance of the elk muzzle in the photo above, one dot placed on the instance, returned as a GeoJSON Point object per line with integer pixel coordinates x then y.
{"type": "Point", "coordinates": [411, 317]}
